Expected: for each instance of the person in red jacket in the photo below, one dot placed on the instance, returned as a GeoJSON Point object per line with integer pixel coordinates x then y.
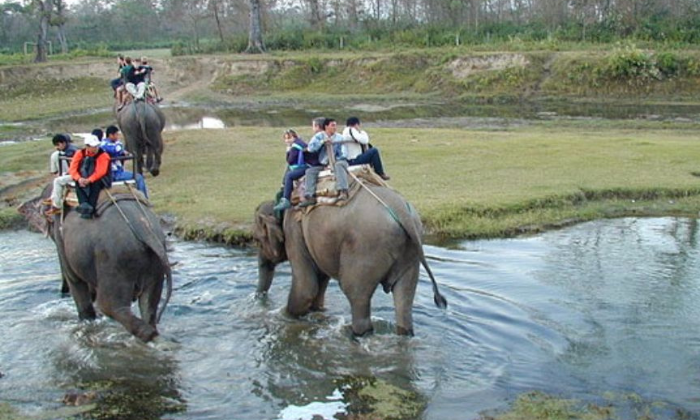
{"type": "Point", "coordinates": [90, 171]}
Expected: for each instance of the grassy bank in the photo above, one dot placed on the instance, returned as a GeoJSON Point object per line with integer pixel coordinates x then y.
{"type": "Point", "coordinates": [465, 183]}
{"type": "Point", "coordinates": [621, 72]}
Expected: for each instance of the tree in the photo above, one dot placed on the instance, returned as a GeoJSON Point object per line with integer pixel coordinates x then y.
{"type": "Point", "coordinates": [59, 21]}
{"type": "Point", "coordinates": [43, 10]}
{"type": "Point", "coordinates": [255, 40]}
{"type": "Point", "coordinates": [215, 5]}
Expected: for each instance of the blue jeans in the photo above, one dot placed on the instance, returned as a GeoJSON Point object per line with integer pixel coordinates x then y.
{"type": "Point", "coordinates": [372, 157]}
{"type": "Point", "coordinates": [289, 179]}
{"type": "Point", "coordinates": [127, 175]}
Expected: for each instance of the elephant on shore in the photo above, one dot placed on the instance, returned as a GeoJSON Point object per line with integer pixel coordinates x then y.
{"type": "Point", "coordinates": [363, 244]}
{"type": "Point", "coordinates": [141, 124]}
{"type": "Point", "coordinates": [112, 260]}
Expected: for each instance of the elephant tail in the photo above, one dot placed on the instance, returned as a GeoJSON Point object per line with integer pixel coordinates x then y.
{"type": "Point", "coordinates": [150, 239]}
{"type": "Point", "coordinates": [411, 227]}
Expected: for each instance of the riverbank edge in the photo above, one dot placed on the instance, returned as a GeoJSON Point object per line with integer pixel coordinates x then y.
{"type": "Point", "coordinates": [668, 203]}
{"type": "Point", "coordinates": [674, 203]}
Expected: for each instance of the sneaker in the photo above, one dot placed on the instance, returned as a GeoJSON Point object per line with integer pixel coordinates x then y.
{"type": "Point", "coordinates": [308, 201]}
{"type": "Point", "coordinates": [284, 204]}
{"type": "Point", "coordinates": [159, 100]}
{"type": "Point", "coordinates": [343, 196]}
{"type": "Point", "coordinates": [52, 211]}
{"type": "Point", "coordinates": [385, 177]}
{"type": "Point", "coordinates": [119, 108]}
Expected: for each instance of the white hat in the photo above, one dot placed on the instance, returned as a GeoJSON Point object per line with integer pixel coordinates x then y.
{"type": "Point", "coordinates": [92, 140]}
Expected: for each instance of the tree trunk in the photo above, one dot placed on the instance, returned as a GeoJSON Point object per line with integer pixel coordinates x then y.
{"type": "Point", "coordinates": [62, 39]}
{"type": "Point", "coordinates": [255, 41]}
{"type": "Point", "coordinates": [44, 14]}
{"type": "Point", "coordinates": [315, 18]}
{"type": "Point", "coordinates": [218, 22]}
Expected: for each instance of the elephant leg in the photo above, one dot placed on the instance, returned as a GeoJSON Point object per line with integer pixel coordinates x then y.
{"type": "Point", "coordinates": [149, 159]}
{"type": "Point", "coordinates": [403, 293]}
{"type": "Point", "coordinates": [304, 291]}
{"type": "Point", "coordinates": [114, 300]}
{"type": "Point", "coordinates": [318, 303]}
{"type": "Point", "coordinates": [83, 299]}
{"type": "Point", "coordinates": [65, 289]}
{"type": "Point", "coordinates": [150, 298]}
{"type": "Point", "coordinates": [359, 295]}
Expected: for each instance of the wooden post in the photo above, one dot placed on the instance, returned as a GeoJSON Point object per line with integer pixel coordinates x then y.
{"type": "Point", "coordinates": [331, 155]}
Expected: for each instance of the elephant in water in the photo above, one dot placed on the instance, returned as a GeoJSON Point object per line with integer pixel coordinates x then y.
{"type": "Point", "coordinates": [362, 244]}
{"type": "Point", "coordinates": [113, 260]}
{"type": "Point", "coordinates": [142, 124]}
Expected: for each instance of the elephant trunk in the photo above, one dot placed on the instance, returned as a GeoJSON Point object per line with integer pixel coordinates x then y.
{"type": "Point", "coordinates": [266, 271]}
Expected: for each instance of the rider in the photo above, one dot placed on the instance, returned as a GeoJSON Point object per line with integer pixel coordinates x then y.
{"type": "Point", "coordinates": [115, 148]}
{"type": "Point", "coordinates": [59, 167]}
{"type": "Point", "coordinates": [298, 161]}
{"type": "Point", "coordinates": [318, 143]}
{"type": "Point", "coordinates": [148, 79]}
{"type": "Point", "coordinates": [134, 77]}
{"type": "Point", "coordinates": [90, 171]}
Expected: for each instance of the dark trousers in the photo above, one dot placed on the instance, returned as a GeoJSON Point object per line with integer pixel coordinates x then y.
{"type": "Point", "coordinates": [289, 179]}
{"type": "Point", "coordinates": [115, 83]}
{"type": "Point", "coordinates": [372, 157]}
{"type": "Point", "coordinates": [89, 194]}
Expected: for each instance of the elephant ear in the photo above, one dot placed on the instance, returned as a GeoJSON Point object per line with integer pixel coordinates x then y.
{"type": "Point", "coordinates": [269, 234]}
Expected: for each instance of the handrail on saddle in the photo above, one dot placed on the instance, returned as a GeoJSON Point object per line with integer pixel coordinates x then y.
{"type": "Point", "coordinates": [130, 157]}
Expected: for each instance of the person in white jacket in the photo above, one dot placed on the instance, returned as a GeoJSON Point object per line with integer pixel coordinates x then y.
{"type": "Point", "coordinates": [358, 149]}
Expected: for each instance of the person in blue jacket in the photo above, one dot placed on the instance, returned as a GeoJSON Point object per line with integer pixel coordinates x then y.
{"type": "Point", "coordinates": [115, 148]}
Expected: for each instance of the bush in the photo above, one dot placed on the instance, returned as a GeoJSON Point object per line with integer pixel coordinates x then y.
{"type": "Point", "coordinates": [633, 65]}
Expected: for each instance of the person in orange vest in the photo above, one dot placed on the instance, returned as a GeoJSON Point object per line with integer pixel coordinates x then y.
{"type": "Point", "coordinates": [91, 172]}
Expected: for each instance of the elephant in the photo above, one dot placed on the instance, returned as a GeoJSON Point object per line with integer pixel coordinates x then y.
{"type": "Point", "coordinates": [373, 239]}
{"type": "Point", "coordinates": [142, 124]}
{"type": "Point", "coordinates": [114, 259]}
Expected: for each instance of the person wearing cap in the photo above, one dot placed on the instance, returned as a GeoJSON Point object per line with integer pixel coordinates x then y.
{"type": "Point", "coordinates": [89, 169]}
{"type": "Point", "coordinates": [358, 149]}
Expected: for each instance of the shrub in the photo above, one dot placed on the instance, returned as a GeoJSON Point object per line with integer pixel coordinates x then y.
{"type": "Point", "coordinates": [631, 64]}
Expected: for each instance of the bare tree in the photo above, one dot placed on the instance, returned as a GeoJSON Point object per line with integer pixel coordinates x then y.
{"type": "Point", "coordinates": [255, 40]}
{"type": "Point", "coordinates": [215, 5]}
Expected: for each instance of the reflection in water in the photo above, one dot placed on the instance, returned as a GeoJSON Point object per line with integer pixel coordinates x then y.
{"type": "Point", "coordinates": [596, 310]}
{"type": "Point", "coordinates": [205, 122]}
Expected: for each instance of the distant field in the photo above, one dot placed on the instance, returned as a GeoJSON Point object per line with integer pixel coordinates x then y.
{"type": "Point", "coordinates": [154, 53]}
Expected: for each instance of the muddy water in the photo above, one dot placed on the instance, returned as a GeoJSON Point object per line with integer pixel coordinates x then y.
{"type": "Point", "coordinates": [604, 312]}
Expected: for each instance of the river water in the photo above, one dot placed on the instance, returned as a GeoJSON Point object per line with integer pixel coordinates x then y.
{"type": "Point", "coordinates": [399, 114]}
{"type": "Point", "coordinates": [604, 312]}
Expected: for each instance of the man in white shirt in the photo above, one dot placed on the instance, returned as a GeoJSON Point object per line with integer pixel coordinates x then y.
{"type": "Point", "coordinates": [358, 149]}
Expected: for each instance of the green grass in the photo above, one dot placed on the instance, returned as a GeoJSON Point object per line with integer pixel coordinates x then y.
{"type": "Point", "coordinates": [465, 183]}
{"type": "Point", "coordinates": [41, 99]}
